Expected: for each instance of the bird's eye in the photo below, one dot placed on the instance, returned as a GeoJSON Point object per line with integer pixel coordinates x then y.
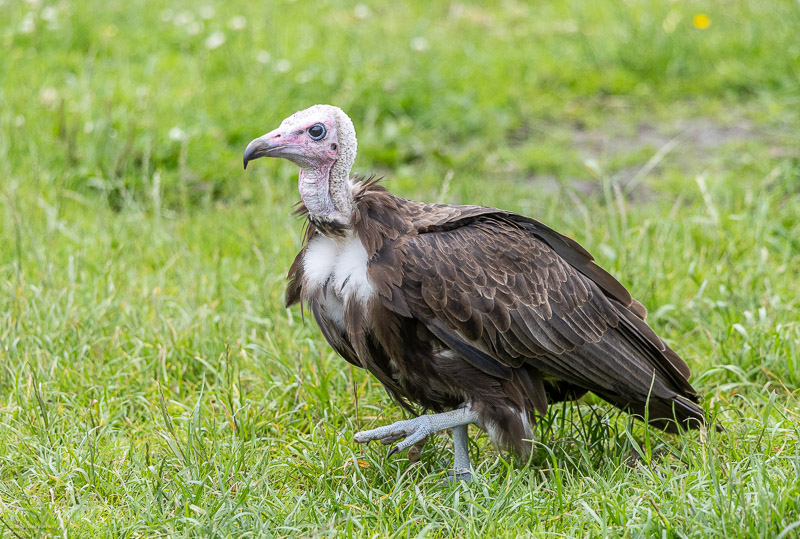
{"type": "Point", "coordinates": [317, 131]}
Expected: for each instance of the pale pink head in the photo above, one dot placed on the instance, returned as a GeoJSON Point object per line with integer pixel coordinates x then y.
{"type": "Point", "coordinates": [321, 140]}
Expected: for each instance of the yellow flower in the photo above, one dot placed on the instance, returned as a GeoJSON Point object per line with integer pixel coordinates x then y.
{"type": "Point", "coordinates": [701, 21]}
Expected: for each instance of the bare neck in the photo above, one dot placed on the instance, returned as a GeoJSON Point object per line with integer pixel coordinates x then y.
{"type": "Point", "coordinates": [326, 194]}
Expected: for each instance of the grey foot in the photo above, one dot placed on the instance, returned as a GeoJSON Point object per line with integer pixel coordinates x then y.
{"type": "Point", "coordinates": [414, 432]}
{"type": "Point", "coordinates": [456, 476]}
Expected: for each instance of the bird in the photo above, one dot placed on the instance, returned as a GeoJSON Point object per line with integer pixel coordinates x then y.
{"type": "Point", "coordinates": [466, 314]}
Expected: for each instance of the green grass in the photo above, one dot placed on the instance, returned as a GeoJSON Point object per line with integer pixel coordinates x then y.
{"type": "Point", "coordinates": [151, 382]}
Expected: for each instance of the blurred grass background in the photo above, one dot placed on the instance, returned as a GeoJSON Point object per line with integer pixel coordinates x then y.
{"type": "Point", "coordinates": [151, 382]}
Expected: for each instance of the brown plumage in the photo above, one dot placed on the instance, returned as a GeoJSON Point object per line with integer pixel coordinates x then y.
{"type": "Point", "coordinates": [487, 305]}
{"type": "Point", "coordinates": [453, 307]}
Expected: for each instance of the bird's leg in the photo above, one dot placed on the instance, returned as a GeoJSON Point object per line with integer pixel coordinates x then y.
{"type": "Point", "coordinates": [462, 471]}
{"type": "Point", "coordinates": [415, 431]}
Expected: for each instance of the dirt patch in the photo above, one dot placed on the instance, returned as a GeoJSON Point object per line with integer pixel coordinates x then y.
{"type": "Point", "coordinates": [687, 144]}
{"type": "Point", "coordinates": [628, 154]}
{"type": "Point", "coordinates": [688, 138]}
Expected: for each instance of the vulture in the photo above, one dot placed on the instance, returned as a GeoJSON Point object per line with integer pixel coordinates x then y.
{"type": "Point", "coordinates": [478, 315]}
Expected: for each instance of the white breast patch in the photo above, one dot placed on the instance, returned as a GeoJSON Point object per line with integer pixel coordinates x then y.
{"type": "Point", "coordinates": [340, 264]}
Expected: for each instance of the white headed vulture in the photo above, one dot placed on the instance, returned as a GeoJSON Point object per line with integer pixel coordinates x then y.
{"type": "Point", "coordinates": [480, 315]}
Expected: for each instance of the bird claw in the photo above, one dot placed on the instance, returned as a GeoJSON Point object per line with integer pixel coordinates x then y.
{"type": "Point", "coordinates": [414, 432]}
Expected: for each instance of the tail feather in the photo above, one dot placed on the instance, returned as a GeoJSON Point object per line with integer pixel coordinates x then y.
{"type": "Point", "coordinates": [670, 415]}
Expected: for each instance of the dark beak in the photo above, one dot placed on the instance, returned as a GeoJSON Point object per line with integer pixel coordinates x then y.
{"type": "Point", "coordinates": [264, 146]}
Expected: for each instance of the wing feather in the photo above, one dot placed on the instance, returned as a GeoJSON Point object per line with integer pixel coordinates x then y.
{"type": "Point", "coordinates": [517, 293]}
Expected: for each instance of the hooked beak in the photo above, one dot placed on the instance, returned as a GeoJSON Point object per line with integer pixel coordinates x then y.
{"type": "Point", "coordinates": [268, 145]}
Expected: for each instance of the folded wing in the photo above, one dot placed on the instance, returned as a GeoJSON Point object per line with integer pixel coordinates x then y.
{"type": "Point", "coordinates": [504, 291]}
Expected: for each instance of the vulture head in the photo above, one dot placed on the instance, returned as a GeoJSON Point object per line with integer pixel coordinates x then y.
{"type": "Point", "coordinates": [321, 140]}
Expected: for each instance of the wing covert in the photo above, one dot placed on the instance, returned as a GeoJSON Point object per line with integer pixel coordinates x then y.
{"type": "Point", "coordinates": [493, 287]}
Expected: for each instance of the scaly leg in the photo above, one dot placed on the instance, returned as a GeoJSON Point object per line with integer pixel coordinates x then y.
{"type": "Point", "coordinates": [462, 471]}
{"type": "Point", "coordinates": [414, 431]}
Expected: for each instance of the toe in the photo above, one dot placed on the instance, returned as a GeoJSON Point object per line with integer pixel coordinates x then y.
{"type": "Point", "coordinates": [415, 438]}
{"type": "Point", "coordinates": [415, 451]}
{"type": "Point", "coordinates": [386, 435]}
{"type": "Point", "coordinates": [414, 431]}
